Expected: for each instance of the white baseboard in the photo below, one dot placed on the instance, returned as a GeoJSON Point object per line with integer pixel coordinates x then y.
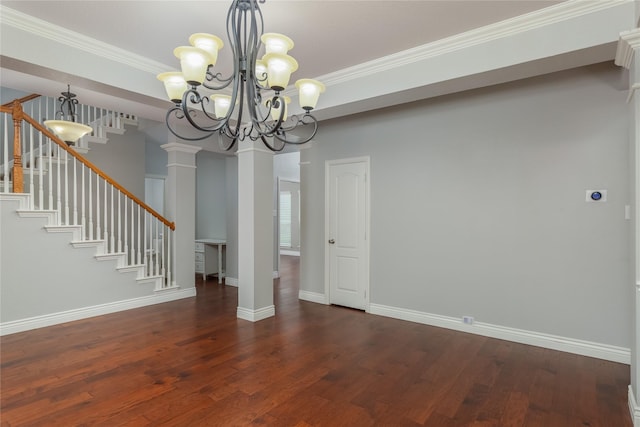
{"type": "Point", "coordinates": [256, 315]}
{"type": "Point", "coordinates": [36, 322]}
{"type": "Point", "coordinates": [231, 281]}
{"type": "Point", "coordinates": [312, 296]}
{"type": "Point", "coordinates": [633, 408]}
{"type": "Point", "coordinates": [553, 342]}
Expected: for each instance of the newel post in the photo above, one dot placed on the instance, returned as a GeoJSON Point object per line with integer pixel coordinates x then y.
{"type": "Point", "coordinates": [18, 179]}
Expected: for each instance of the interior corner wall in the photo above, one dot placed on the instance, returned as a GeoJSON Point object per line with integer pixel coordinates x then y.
{"type": "Point", "coordinates": [231, 166]}
{"type": "Point", "coordinates": [211, 197]}
{"type": "Point", "coordinates": [156, 159]}
{"type": "Point", "coordinates": [478, 204]}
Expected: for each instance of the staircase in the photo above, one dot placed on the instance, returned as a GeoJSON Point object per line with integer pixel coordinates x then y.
{"type": "Point", "coordinates": [53, 186]}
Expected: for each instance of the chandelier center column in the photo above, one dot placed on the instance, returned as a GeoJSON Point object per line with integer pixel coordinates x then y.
{"type": "Point", "coordinates": [255, 231]}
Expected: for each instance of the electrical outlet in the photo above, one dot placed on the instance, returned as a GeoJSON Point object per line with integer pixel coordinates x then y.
{"type": "Point", "coordinates": [467, 320]}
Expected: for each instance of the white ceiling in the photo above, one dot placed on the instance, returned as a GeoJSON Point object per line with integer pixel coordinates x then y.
{"type": "Point", "coordinates": [445, 45]}
{"type": "Point", "coordinates": [329, 35]}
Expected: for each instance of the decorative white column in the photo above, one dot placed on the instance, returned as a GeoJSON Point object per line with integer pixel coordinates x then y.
{"type": "Point", "coordinates": [255, 231]}
{"type": "Point", "coordinates": [180, 204]}
{"type": "Point", "coordinates": [628, 56]}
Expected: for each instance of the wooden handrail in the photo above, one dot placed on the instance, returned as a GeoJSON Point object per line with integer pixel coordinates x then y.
{"type": "Point", "coordinates": [23, 99]}
{"type": "Point", "coordinates": [86, 162]}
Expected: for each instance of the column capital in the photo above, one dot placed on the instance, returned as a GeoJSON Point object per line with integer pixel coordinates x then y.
{"type": "Point", "coordinates": [628, 43]}
{"type": "Point", "coordinates": [178, 146]}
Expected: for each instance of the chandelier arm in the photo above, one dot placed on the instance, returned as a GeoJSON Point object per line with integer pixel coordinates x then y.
{"type": "Point", "coordinates": [194, 98]}
{"type": "Point", "coordinates": [221, 143]}
{"type": "Point", "coordinates": [178, 112]}
{"type": "Point", "coordinates": [217, 77]}
{"type": "Point", "coordinates": [307, 119]}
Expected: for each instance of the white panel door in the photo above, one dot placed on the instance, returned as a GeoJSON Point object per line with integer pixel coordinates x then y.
{"type": "Point", "coordinates": [347, 230]}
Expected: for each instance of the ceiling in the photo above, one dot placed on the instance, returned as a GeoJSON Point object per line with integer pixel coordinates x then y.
{"type": "Point", "coordinates": [329, 35]}
{"type": "Point", "coordinates": [345, 43]}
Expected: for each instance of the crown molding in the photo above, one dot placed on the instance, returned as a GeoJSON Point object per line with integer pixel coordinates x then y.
{"type": "Point", "coordinates": [628, 43]}
{"type": "Point", "coordinates": [44, 29]}
{"type": "Point", "coordinates": [538, 19]}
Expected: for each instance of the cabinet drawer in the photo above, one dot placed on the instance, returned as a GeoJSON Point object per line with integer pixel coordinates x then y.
{"type": "Point", "coordinates": [199, 257]}
{"type": "Point", "coordinates": [199, 247]}
{"type": "Point", "coordinates": [199, 267]}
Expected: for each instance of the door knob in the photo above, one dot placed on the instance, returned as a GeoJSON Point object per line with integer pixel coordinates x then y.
{"type": "Point", "coordinates": [331, 241]}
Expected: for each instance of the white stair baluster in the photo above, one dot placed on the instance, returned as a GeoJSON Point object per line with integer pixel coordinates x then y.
{"type": "Point", "coordinates": [66, 185]}
{"type": "Point", "coordinates": [31, 167]}
{"type": "Point", "coordinates": [58, 185]}
{"type": "Point", "coordinates": [98, 228]}
{"type": "Point", "coordinates": [163, 270]}
{"type": "Point", "coordinates": [106, 223]}
{"type": "Point", "coordinates": [90, 206]}
{"type": "Point", "coordinates": [83, 217]}
{"type": "Point", "coordinates": [156, 249]}
{"type": "Point", "coordinates": [112, 228]}
{"type": "Point", "coordinates": [144, 249]}
{"type": "Point", "coordinates": [41, 173]}
{"type": "Point", "coordinates": [126, 243]}
{"type": "Point", "coordinates": [75, 191]}
{"type": "Point", "coordinates": [50, 173]}
{"type": "Point", "coordinates": [140, 261]}
{"type": "Point", "coordinates": [119, 195]}
{"type": "Point", "coordinates": [168, 258]}
{"type": "Point", "coordinates": [133, 239]}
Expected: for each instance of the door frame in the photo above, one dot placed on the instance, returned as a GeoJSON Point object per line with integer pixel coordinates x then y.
{"type": "Point", "coordinates": [367, 244]}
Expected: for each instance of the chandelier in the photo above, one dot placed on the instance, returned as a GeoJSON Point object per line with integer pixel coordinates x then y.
{"type": "Point", "coordinates": [66, 127]}
{"type": "Point", "coordinates": [254, 90]}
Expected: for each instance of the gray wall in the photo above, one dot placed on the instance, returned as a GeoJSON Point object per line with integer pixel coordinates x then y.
{"type": "Point", "coordinates": [155, 160]}
{"type": "Point", "coordinates": [122, 158]}
{"type": "Point", "coordinates": [211, 197]}
{"type": "Point", "coordinates": [478, 204]}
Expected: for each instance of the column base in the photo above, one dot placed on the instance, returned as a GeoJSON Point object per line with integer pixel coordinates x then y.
{"type": "Point", "coordinates": [256, 315]}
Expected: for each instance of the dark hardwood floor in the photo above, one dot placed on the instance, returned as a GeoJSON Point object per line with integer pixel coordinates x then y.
{"type": "Point", "coordinates": [193, 363]}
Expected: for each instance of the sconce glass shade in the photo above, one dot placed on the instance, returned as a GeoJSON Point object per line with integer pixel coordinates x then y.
{"type": "Point", "coordinates": [261, 73]}
{"type": "Point", "coordinates": [174, 84]}
{"type": "Point", "coordinates": [275, 111]}
{"type": "Point", "coordinates": [209, 43]}
{"type": "Point", "coordinates": [309, 92]}
{"type": "Point", "coordinates": [221, 104]}
{"type": "Point", "coordinates": [194, 63]}
{"type": "Point", "coordinates": [69, 132]}
{"type": "Point", "coordinates": [276, 43]}
{"type": "Point", "coordinates": [279, 69]}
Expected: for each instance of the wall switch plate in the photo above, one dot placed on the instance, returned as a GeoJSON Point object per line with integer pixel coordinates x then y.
{"type": "Point", "coordinates": [596, 196]}
{"type": "Point", "coordinates": [467, 320]}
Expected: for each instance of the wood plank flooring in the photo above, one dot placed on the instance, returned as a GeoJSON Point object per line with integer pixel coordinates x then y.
{"type": "Point", "coordinates": [193, 363]}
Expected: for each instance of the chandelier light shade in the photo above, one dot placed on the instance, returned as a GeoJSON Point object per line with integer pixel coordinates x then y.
{"type": "Point", "coordinates": [309, 91]}
{"type": "Point", "coordinates": [249, 103]}
{"type": "Point", "coordinates": [174, 84]}
{"type": "Point", "coordinates": [66, 127]}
